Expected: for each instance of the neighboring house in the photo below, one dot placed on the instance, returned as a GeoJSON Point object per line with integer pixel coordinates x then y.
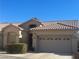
{"type": "Point", "coordinates": [56, 37]}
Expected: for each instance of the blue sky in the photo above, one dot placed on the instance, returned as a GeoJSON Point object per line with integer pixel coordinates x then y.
{"type": "Point", "coordinates": [45, 10]}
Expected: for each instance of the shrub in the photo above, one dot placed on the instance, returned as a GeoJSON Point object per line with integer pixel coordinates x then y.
{"type": "Point", "coordinates": [17, 48]}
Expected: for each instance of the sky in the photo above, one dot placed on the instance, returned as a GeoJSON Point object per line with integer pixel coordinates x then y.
{"type": "Point", "coordinates": [44, 10]}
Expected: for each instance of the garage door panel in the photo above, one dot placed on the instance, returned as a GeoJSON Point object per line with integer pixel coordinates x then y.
{"type": "Point", "coordinates": [55, 44]}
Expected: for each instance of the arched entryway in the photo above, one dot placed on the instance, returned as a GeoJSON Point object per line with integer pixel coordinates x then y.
{"type": "Point", "coordinates": [30, 41]}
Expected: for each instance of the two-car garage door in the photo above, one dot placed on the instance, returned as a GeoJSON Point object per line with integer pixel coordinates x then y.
{"type": "Point", "coordinates": [60, 44]}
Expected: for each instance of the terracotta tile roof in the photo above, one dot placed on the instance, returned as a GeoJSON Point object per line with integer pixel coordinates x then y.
{"type": "Point", "coordinates": [56, 26]}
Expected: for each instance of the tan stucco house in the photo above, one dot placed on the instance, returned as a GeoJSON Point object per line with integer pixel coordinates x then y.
{"type": "Point", "coordinates": [56, 37]}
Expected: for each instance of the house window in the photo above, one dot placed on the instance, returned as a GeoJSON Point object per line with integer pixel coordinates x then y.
{"type": "Point", "coordinates": [32, 25]}
{"type": "Point", "coordinates": [55, 38]}
{"type": "Point", "coordinates": [59, 38]}
{"type": "Point", "coordinates": [68, 39]}
{"type": "Point", "coordinates": [64, 39]}
{"type": "Point", "coordinates": [12, 38]}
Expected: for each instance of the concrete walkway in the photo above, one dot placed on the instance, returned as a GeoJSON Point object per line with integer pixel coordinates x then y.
{"type": "Point", "coordinates": [43, 56]}
{"type": "Point", "coordinates": [34, 56]}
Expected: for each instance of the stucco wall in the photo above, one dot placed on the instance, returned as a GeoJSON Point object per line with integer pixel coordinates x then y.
{"type": "Point", "coordinates": [25, 36]}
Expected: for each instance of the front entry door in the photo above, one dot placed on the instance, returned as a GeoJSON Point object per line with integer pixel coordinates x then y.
{"type": "Point", "coordinates": [30, 42]}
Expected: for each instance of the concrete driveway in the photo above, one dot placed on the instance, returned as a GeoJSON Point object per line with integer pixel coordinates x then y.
{"type": "Point", "coordinates": [10, 57]}
{"type": "Point", "coordinates": [35, 56]}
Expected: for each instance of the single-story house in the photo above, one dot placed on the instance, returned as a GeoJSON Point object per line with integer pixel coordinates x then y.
{"type": "Point", "coordinates": [57, 37]}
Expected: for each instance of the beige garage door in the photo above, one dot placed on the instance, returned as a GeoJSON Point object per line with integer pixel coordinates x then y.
{"type": "Point", "coordinates": [61, 44]}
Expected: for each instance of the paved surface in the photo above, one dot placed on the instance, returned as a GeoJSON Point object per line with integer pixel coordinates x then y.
{"type": "Point", "coordinates": [10, 57]}
{"type": "Point", "coordinates": [34, 56]}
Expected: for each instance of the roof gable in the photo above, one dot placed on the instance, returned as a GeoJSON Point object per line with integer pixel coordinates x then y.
{"type": "Point", "coordinates": [10, 25]}
{"type": "Point", "coordinates": [30, 22]}
{"type": "Point", "coordinates": [33, 21]}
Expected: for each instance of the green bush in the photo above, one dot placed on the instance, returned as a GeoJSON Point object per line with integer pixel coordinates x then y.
{"type": "Point", "coordinates": [17, 48]}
